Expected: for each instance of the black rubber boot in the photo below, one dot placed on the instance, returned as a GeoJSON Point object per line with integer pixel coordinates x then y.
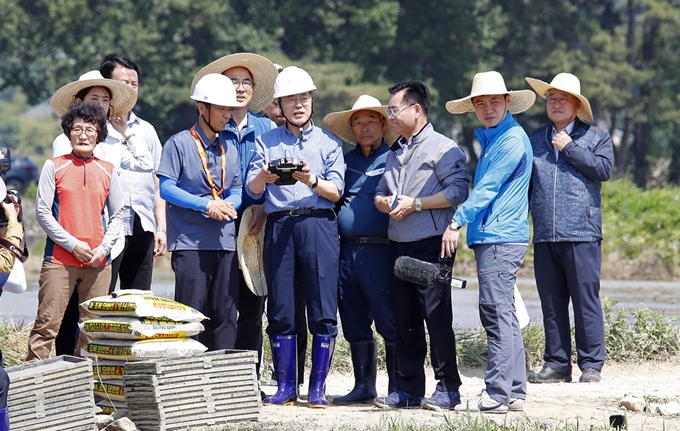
{"type": "Point", "coordinates": [364, 362]}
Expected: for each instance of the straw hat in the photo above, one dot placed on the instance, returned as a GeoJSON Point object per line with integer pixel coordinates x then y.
{"type": "Point", "coordinates": [123, 97]}
{"type": "Point", "coordinates": [569, 84]}
{"type": "Point", "coordinates": [250, 249]}
{"type": "Point", "coordinates": [339, 122]}
{"type": "Point", "coordinates": [487, 84]}
{"type": "Point", "coordinates": [263, 71]}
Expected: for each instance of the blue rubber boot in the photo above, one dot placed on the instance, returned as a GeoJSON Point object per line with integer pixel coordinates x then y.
{"type": "Point", "coordinates": [284, 355]}
{"type": "Point", "coordinates": [322, 355]}
{"type": "Point", "coordinates": [4, 420]}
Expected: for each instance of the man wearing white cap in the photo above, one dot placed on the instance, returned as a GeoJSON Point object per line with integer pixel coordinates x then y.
{"type": "Point", "coordinates": [572, 158]}
{"type": "Point", "coordinates": [363, 290]}
{"type": "Point", "coordinates": [301, 234]}
{"type": "Point", "coordinates": [253, 78]}
{"type": "Point", "coordinates": [496, 214]}
{"type": "Point", "coordinates": [200, 180]}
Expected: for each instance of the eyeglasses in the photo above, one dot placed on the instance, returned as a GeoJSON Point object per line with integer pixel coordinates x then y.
{"type": "Point", "coordinates": [246, 83]}
{"type": "Point", "coordinates": [296, 100]}
{"type": "Point", "coordinates": [89, 131]}
{"type": "Point", "coordinates": [393, 112]}
{"type": "Point", "coordinates": [558, 99]}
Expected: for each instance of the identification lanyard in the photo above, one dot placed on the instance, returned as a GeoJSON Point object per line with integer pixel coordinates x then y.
{"type": "Point", "coordinates": [201, 153]}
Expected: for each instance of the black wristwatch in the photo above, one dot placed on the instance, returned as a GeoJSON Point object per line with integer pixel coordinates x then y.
{"type": "Point", "coordinates": [315, 183]}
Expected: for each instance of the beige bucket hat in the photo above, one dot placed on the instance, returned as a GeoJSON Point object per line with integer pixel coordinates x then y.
{"type": "Point", "coordinates": [568, 83]}
{"type": "Point", "coordinates": [264, 74]}
{"type": "Point", "coordinates": [123, 97]}
{"type": "Point", "coordinates": [486, 84]}
{"type": "Point", "coordinates": [250, 249]}
{"type": "Point", "coordinates": [339, 122]}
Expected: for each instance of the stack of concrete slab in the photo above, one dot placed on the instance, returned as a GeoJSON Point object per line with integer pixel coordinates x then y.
{"type": "Point", "coordinates": [52, 395]}
{"type": "Point", "coordinates": [197, 392]}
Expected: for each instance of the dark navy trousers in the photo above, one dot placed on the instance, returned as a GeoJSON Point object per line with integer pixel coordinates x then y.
{"type": "Point", "coordinates": [570, 271]}
{"type": "Point", "coordinates": [413, 306]}
{"type": "Point", "coordinates": [307, 247]}
{"type": "Point", "coordinates": [363, 292]}
{"type": "Point", "coordinates": [207, 280]}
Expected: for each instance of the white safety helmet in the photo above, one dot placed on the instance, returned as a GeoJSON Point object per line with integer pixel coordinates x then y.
{"type": "Point", "coordinates": [216, 89]}
{"type": "Point", "coordinates": [292, 80]}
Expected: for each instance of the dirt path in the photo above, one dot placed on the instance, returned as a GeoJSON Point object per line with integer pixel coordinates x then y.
{"type": "Point", "coordinates": [589, 404]}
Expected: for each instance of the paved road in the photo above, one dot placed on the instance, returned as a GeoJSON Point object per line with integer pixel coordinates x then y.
{"type": "Point", "coordinates": [660, 297]}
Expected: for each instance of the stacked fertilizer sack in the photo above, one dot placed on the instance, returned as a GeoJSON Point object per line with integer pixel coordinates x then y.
{"type": "Point", "coordinates": [134, 325]}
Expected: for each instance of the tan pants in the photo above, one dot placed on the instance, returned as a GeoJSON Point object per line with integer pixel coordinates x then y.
{"type": "Point", "coordinates": [57, 284]}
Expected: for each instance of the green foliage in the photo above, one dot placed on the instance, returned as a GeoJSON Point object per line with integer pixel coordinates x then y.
{"type": "Point", "coordinates": [649, 337]}
{"type": "Point", "coordinates": [642, 225]}
{"type": "Point", "coordinates": [626, 54]}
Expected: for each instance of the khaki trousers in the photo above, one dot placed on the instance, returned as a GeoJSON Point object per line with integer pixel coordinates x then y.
{"type": "Point", "coordinates": [57, 284]}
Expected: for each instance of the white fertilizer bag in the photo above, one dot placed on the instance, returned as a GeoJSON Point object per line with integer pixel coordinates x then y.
{"type": "Point", "coordinates": [144, 349]}
{"type": "Point", "coordinates": [133, 304]}
{"type": "Point", "coordinates": [139, 328]}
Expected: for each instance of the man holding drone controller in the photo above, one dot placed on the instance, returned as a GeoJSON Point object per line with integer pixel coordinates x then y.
{"type": "Point", "coordinates": [299, 168]}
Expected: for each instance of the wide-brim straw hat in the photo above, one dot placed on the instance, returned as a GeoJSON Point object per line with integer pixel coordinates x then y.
{"type": "Point", "coordinates": [250, 249]}
{"type": "Point", "coordinates": [263, 71]}
{"type": "Point", "coordinates": [123, 97]}
{"type": "Point", "coordinates": [339, 122]}
{"type": "Point", "coordinates": [487, 84]}
{"type": "Point", "coordinates": [568, 83]}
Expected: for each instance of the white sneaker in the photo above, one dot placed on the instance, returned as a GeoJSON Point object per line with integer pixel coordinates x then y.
{"type": "Point", "coordinates": [482, 403]}
{"type": "Point", "coordinates": [516, 405]}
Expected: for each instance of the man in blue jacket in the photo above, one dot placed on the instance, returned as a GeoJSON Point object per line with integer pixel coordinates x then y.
{"type": "Point", "coordinates": [571, 160]}
{"type": "Point", "coordinates": [498, 231]}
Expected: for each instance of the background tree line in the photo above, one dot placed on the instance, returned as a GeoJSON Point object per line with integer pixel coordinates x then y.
{"type": "Point", "coordinates": [626, 53]}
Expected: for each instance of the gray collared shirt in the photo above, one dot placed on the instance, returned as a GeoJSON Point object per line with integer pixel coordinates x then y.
{"type": "Point", "coordinates": [431, 163]}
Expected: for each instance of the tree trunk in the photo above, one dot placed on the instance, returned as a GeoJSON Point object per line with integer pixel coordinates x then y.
{"type": "Point", "coordinates": [622, 154]}
{"type": "Point", "coordinates": [641, 171]}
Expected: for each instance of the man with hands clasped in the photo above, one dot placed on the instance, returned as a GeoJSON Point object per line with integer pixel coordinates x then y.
{"type": "Point", "coordinates": [200, 180]}
{"type": "Point", "coordinates": [424, 180]}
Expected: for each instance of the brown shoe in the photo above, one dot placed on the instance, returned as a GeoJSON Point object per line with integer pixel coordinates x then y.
{"type": "Point", "coordinates": [548, 375]}
{"type": "Point", "coordinates": [590, 375]}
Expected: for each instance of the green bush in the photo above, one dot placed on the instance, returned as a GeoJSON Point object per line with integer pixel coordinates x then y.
{"type": "Point", "coordinates": [642, 225]}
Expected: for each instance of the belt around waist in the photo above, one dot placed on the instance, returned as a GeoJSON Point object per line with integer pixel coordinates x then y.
{"type": "Point", "coordinates": [302, 212]}
{"type": "Point", "coordinates": [363, 240]}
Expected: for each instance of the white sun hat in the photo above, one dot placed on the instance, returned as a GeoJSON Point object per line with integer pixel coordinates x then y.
{"type": "Point", "coordinates": [263, 71]}
{"type": "Point", "coordinates": [123, 97]}
{"type": "Point", "coordinates": [487, 84]}
{"type": "Point", "coordinates": [250, 249]}
{"type": "Point", "coordinates": [568, 83]}
{"type": "Point", "coordinates": [339, 122]}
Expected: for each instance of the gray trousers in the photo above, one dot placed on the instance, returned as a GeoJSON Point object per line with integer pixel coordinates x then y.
{"type": "Point", "coordinates": [497, 266]}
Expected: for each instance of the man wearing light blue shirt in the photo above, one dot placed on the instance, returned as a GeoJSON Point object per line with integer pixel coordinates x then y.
{"type": "Point", "coordinates": [301, 236]}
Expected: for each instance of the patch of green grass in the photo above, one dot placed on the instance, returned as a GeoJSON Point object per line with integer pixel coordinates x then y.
{"type": "Point", "coordinates": [640, 335]}
{"type": "Point", "coordinates": [448, 422]}
{"type": "Point", "coordinates": [650, 336]}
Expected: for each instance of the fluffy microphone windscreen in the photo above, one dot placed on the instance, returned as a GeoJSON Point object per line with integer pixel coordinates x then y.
{"type": "Point", "coordinates": [416, 271]}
